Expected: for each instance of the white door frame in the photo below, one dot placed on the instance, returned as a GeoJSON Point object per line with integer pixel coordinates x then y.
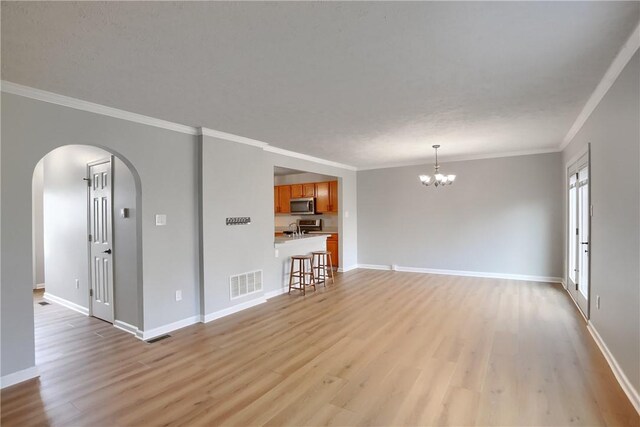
{"type": "Point", "coordinates": [585, 151]}
{"type": "Point", "coordinates": [109, 160]}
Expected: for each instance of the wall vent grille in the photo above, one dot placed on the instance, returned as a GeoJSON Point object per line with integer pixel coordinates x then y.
{"type": "Point", "coordinates": [245, 284]}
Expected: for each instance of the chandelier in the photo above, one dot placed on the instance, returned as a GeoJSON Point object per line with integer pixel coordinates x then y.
{"type": "Point", "coordinates": [438, 178]}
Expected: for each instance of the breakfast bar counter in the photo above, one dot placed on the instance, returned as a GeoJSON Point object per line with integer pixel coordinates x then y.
{"type": "Point", "coordinates": [286, 246]}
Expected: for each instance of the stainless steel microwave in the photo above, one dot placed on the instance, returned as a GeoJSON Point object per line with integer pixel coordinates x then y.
{"type": "Point", "coordinates": [305, 206]}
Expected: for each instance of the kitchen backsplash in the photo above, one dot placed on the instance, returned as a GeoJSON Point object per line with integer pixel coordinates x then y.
{"type": "Point", "coordinates": [329, 222]}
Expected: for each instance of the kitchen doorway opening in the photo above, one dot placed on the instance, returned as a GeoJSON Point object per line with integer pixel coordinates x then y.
{"type": "Point", "coordinates": [306, 204]}
{"type": "Point", "coordinates": [86, 239]}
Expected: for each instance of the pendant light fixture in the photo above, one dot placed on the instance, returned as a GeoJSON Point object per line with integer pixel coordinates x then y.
{"type": "Point", "coordinates": [438, 178]}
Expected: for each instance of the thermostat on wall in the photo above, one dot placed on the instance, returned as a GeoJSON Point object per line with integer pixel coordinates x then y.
{"type": "Point", "coordinates": [239, 220]}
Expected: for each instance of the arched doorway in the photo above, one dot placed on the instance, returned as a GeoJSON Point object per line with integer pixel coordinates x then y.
{"type": "Point", "coordinates": [87, 235]}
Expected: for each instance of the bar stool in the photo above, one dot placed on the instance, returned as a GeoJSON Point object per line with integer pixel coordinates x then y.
{"type": "Point", "coordinates": [320, 267]}
{"type": "Point", "coordinates": [305, 276]}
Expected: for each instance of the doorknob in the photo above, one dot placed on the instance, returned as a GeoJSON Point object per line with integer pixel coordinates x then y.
{"type": "Point", "coordinates": [108, 251]}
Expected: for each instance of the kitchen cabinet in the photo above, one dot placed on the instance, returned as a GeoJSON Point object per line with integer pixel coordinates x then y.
{"type": "Point", "coordinates": [333, 196]}
{"type": "Point", "coordinates": [322, 197]}
{"type": "Point", "coordinates": [282, 196]}
{"type": "Point", "coordinates": [325, 193]}
{"type": "Point", "coordinates": [300, 191]}
{"type": "Point", "coordinates": [327, 197]}
{"type": "Point", "coordinates": [332, 247]}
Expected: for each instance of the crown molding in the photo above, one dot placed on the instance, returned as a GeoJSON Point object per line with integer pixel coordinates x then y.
{"type": "Point", "coordinates": [301, 156]}
{"type": "Point", "coordinates": [231, 137]}
{"type": "Point", "coordinates": [78, 104]}
{"type": "Point", "coordinates": [463, 158]}
{"type": "Point", "coordinates": [621, 60]}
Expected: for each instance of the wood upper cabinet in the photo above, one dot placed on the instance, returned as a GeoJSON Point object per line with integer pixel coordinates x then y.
{"type": "Point", "coordinates": [322, 197]}
{"type": "Point", "coordinates": [299, 191]}
{"type": "Point", "coordinates": [333, 196]}
{"type": "Point", "coordinates": [309, 190]}
{"type": "Point", "coordinates": [327, 196]}
{"type": "Point", "coordinates": [296, 191]}
{"type": "Point", "coordinates": [276, 199]}
{"type": "Point", "coordinates": [284, 196]}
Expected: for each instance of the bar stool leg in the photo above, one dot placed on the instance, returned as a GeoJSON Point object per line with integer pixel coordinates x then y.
{"type": "Point", "coordinates": [331, 268]}
{"type": "Point", "coordinates": [303, 280]}
{"type": "Point", "coordinates": [293, 261]}
{"type": "Point", "coordinates": [324, 269]}
{"type": "Point", "coordinates": [312, 277]}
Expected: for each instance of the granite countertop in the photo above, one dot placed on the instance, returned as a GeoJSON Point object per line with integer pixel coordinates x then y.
{"type": "Point", "coordinates": [303, 238]}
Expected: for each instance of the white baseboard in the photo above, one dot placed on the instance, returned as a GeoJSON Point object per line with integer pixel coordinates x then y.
{"type": "Point", "coordinates": [233, 309]}
{"type": "Point", "coordinates": [275, 293]}
{"type": "Point", "coordinates": [165, 329]}
{"type": "Point", "coordinates": [546, 279]}
{"type": "Point", "coordinates": [18, 377]}
{"type": "Point", "coordinates": [123, 326]}
{"type": "Point", "coordinates": [345, 269]}
{"type": "Point", "coordinates": [374, 266]}
{"type": "Point", "coordinates": [65, 303]}
{"type": "Point", "coordinates": [626, 385]}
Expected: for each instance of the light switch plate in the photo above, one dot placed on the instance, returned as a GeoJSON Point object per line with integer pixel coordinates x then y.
{"type": "Point", "coordinates": [178, 295]}
{"type": "Point", "coordinates": [161, 219]}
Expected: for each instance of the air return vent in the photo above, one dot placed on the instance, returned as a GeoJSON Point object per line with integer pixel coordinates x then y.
{"type": "Point", "coordinates": [245, 284]}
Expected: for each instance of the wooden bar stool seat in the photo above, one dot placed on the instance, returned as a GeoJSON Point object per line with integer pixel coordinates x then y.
{"type": "Point", "coordinates": [304, 274]}
{"type": "Point", "coordinates": [322, 260]}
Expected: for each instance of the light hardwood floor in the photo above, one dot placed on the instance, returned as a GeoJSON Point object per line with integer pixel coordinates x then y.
{"type": "Point", "coordinates": [376, 348]}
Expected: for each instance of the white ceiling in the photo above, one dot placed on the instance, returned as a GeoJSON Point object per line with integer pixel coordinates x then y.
{"type": "Point", "coordinates": [365, 84]}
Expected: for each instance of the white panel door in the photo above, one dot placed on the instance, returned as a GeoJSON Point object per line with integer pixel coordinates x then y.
{"type": "Point", "coordinates": [579, 222]}
{"type": "Point", "coordinates": [101, 239]}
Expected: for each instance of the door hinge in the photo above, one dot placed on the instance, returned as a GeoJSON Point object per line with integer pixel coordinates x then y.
{"type": "Point", "coordinates": [577, 231]}
{"type": "Point", "coordinates": [90, 237]}
{"type": "Point", "coordinates": [576, 286]}
{"type": "Point", "coordinates": [88, 181]}
{"type": "Point", "coordinates": [91, 292]}
{"type": "Point", "coordinates": [590, 210]}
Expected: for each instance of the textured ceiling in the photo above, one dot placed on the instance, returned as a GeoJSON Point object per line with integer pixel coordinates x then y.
{"type": "Point", "coordinates": [366, 84]}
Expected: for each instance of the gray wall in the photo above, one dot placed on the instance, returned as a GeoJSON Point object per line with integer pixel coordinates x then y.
{"type": "Point", "coordinates": [502, 215]}
{"type": "Point", "coordinates": [614, 133]}
{"type": "Point", "coordinates": [65, 235]}
{"type": "Point", "coordinates": [228, 250]}
{"type": "Point", "coordinates": [38, 224]}
{"type": "Point", "coordinates": [165, 168]}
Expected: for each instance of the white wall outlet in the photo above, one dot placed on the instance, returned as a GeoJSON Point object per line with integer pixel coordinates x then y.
{"type": "Point", "coordinates": [346, 214]}
{"type": "Point", "coordinates": [77, 283]}
{"type": "Point", "coordinates": [161, 219]}
{"type": "Point", "coordinates": [598, 302]}
{"type": "Point", "coordinates": [178, 295]}
{"type": "Point", "coordinates": [277, 253]}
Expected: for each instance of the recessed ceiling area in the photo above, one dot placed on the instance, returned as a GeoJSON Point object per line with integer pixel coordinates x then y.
{"type": "Point", "coordinates": [361, 83]}
{"type": "Point", "coordinates": [282, 171]}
